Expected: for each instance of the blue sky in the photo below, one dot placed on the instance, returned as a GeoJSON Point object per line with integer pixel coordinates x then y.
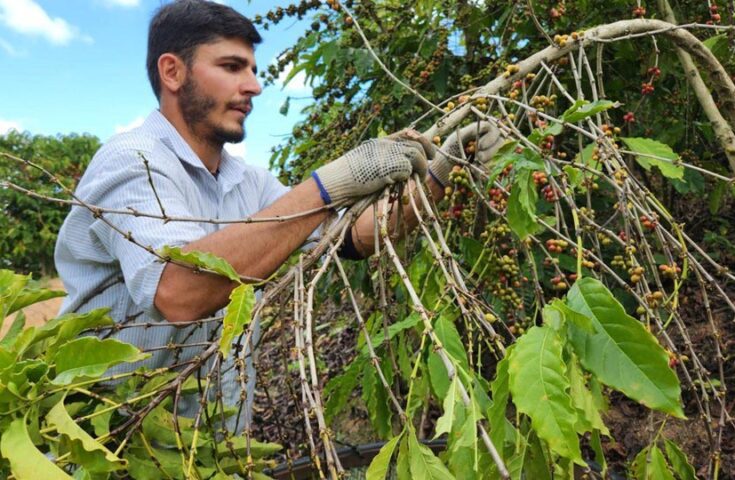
{"type": "Point", "coordinates": [79, 66]}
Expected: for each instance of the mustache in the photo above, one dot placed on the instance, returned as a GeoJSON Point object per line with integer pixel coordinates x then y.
{"type": "Point", "coordinates": [246, 104]}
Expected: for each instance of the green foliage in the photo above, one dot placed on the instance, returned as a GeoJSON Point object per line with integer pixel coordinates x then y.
{"type": "Point", "coordinates": [582, 109]}
{"type": "Point", "coordinates": [621, 352]}
{"type": "Point", "coordinates": [30, 225]}
{"type": "Point", "coordinates": [540, 387]}
{"type": "Point", "coordinates": [59, 403]}
{"type": "Point", "coordinates": [26, 462]}
{"type": "Point", "coordinates": [650, 153]}
{"type": "Point", "coordinates": [379, 466]}
{"type": "Point", "coordinates": [242, 300]}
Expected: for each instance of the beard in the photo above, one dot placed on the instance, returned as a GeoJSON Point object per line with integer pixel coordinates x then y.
{"type": "Point", "coordinates": [196, 108]}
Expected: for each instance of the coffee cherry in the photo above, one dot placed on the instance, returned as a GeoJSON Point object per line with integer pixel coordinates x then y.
{"type": "Point", "coordinates": [639, 12]}
{"type": "Point", "coordinates": [549, 194]}
{"type": "Point", "coordinates": [539, 178]}
{"type": "Point", "coordinates": [647, 88]}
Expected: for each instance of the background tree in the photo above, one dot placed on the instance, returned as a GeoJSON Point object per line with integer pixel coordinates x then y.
{"type": "Point", "coordinates": [30, 225]}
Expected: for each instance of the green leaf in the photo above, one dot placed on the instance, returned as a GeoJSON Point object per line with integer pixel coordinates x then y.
{"type": "Point", "coordinates": [403, 469]}
{"type": "Point", "coordinates": [26, 462]}
{"type": "Point", "coordinates": [588, 415]}
{"type": "Point", "coordinates": [717, 195]}
{"type": "Point", "coordinates": [447, 334]}
{"type": "Point", "coordinates": [339, 389]}
{"type": "Point", "coordinates": [11, 285]}
{"type": "Point", "coordinates": [719, 46]}
{"type": "Point", "coordinates": [101, 422]}
{"type": "Point", "coordinates": [679, 462]}
{"type": "Point", "coordinates": [535, 464]}
{"type": "Point", "coordinates": [501, 392]}
{"type": "Point", "coordinates": [379, 466]}
{"type": "Point", "coordinates": [557, 314]}
{"type": "Point", "coordinates": [378, 339]}
{"type": "Point", "coordinates": [622, 353]}
{"type": "Point", "coordinates": [90, 357]}
{"type": "Point", "coordinates": [84, 449]}
{"type": "Point", "coordinates": [16, 328]}
{"type": "Point", "coordinates": [438, 375]}
{"type": "Point", "coordinates": [650, 464]}
{"type": "Point", "coordinates": [596, 445]}
{"type": "Point", "coordinates": [423, 463]}
{"type": "Point", "coordinates": [329, 51]}
{"type": "Point", "coordinates": [376, 398]}
{"type": "Point", "coordinates": [692, 182]}
{"type": "Point", "coordinates": [583, 109]}
{"type": "Point", "coordinates": [646, 149]}
{"type": "Point", "coordinates": [464, 456]}
{"type": "Point", "coordinates": [574, 175]}
{"type": "Point", "coordinates": [539, 134]}
{"type": "Point", "coordinates": [239, 447]}
{"type": "Point", "coordinates": [539, 387]}
{"type": "Point", "coordinates": [158, 426]}
{"type": "Point", "coordinates": [70, 325]}
{"type": "Point", "coordinates": [29, 296]}
{"type": "Point", "coordinates": [522, 205]}
{"type": "Point", "coordinates": [585, 156]}
{"type": "Point", "coordinates": [202, 260]}
{"type": "Point", "coordinates": [445, 422]}
{"type": "Point", "coordinates": [142, 467]}
{"type": "Point", "coordinates": [239, 310]}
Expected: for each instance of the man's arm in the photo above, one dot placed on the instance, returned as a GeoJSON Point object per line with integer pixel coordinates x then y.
{"type": "Point", "coordinates": [253, 249]}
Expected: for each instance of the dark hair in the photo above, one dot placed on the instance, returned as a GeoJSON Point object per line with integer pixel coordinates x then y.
{"type": "Point", "coordinates": [181, 26]}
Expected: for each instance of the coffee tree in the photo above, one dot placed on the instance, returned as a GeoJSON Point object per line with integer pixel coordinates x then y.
{"type": "Point", "coordinates": [575, 286]}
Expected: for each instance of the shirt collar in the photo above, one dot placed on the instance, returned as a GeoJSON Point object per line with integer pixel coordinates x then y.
{"type": "Point", "coordinates": [231, 169]}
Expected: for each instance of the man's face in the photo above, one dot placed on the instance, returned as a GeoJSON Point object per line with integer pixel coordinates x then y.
{"type": "Point", "coordinates": [216, 95]}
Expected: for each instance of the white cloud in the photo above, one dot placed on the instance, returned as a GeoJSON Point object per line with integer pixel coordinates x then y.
{"type": "Point", "coordinates": [123, 3]}
{"type": "Point", "coordinates": [8, 125]}
{"type": "Point", "coordinates": [137, 122]}
{"type": "Point", "coordinates": [236, 149]}
{"type": "Point", "coordinates": [297, 84]}
{"type": "Point", "coordinates": [29, 18]}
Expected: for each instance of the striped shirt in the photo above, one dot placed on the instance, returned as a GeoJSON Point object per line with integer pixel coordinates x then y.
{"type": "Point", "coordinates": [101, 268]}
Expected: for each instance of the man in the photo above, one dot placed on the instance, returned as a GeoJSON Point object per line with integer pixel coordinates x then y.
{"type": "Point", "coordinates": [202, 69]}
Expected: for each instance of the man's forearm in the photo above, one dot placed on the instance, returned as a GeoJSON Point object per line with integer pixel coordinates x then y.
{"type": "Point", "coordinates": [363, 232]}
{"type": "Point", "coordinates": [253, 249]}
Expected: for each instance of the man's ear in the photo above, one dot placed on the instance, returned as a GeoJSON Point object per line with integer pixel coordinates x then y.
{"type": "Point", "coordinates": [172, 71]}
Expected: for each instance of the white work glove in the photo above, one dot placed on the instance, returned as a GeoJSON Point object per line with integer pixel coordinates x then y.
{"type": "Point", "coordinates": [373, 165]}
{"type": "Point", "coordinates": [487, 142]}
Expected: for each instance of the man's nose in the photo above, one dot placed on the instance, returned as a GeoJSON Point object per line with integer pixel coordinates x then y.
{"type": "Point", "coordinates": [251, 85]}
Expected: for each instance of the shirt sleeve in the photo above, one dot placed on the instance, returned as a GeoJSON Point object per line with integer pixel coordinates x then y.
{"type": "Point", "coordinates": [125, 183]}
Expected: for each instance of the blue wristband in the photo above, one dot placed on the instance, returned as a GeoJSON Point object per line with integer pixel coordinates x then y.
{"type": "Point", "coordinates": [322, 191]}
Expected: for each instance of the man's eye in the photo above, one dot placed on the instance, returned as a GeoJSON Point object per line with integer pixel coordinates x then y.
{"type": "Point", "coordinates": [232, 67]}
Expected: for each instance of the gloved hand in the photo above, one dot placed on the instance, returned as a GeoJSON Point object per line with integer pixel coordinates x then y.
{"type": "Point", "coordinates": [487, 142]}
{"type": "Point", "coordinates": [374, 165]}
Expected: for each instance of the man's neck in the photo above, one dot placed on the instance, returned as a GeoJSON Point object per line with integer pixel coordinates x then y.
{"type": "Point", "coordinates": [209, 153]}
